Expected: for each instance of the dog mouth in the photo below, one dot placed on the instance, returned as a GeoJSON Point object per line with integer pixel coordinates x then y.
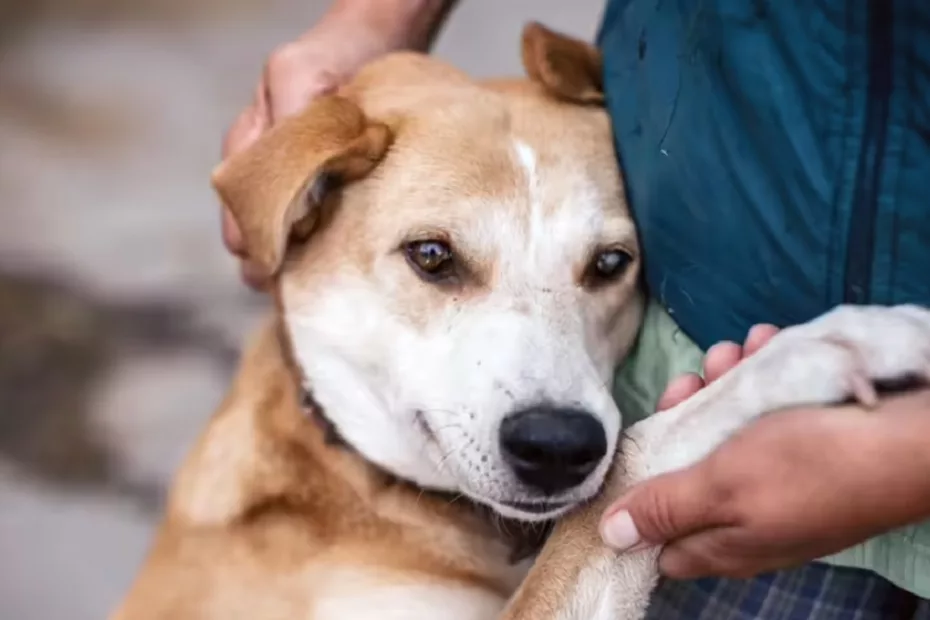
{"type": "Point", "coordinates": [538, 507]}
{"type": "Point", "coordinates": [532, 512]}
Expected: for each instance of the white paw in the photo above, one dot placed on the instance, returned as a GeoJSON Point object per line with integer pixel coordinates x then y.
{"type": "Point", "coordinates": [837, 356]}
{"type": "Point", "coordinates": [841, 354]}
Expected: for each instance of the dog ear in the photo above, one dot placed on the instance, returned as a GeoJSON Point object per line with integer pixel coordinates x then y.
{"type": "Point", "coordinates": [567, 68]}
{"type": "Point", "coordinates": [274, 188]}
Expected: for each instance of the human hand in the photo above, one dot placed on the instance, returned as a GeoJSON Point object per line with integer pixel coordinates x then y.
{"type": "Point", "coordinates": [792, 487]}
{"type": "Point", "coordinates": [352, 33]}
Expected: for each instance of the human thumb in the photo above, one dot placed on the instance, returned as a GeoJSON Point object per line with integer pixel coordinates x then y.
{"type": "Point", "coordinates": [659, 511]}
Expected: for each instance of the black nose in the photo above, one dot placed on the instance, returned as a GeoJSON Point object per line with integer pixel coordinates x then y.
{"type": "Point", "coordinates": [552, 449]}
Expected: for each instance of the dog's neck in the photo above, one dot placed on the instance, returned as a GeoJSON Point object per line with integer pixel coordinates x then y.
{"type": "Point", "coordinates": [523, 539]}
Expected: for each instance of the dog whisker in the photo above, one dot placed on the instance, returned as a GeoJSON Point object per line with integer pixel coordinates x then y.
{"type": "Point", "coordinates": [442, 461]}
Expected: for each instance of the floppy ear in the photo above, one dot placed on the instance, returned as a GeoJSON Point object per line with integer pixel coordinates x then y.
{"type": "Point", "coordinates": [274, 188]}
{"type": "Point", "coordinates": [567, 68]}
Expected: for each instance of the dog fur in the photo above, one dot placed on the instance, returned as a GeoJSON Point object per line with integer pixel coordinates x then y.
{"type": "Point", "coordinates": [520, 176]}
{"type": "Point", "coordinates": [411, 512]}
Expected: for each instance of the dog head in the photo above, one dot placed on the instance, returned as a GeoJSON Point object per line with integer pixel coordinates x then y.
{"type": "Point", "coordinates": [457, 270]}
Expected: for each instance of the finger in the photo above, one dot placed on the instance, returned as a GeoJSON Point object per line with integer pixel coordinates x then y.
{"type": "Point", "coordinates": [254, 277]}
{"type": "Point", "coordinates": [247, 127]}
{"type": "Point", "coordinates": [260, 102]}
{"type": "Point", "coordinates": [291, 81]}
{"type": "Point", "coordinates": [679, 390]}
{"type": "Point", "coordinates": [691, 558]}
{"type": "Point", "coordinates": [715, 552]}
{"type": "Point", "coordinates": [720, 359]}
{"type": "Point", "coordinates": [294, 96]}
{"type": "Point", "coordinates": [758, 337]}
{"type": "Point", "coordinates": [660, 510]}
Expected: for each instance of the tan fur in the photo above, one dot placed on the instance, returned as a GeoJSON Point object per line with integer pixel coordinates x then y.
{"type": "Point", "coordinates": [568, 70]}
{"type": "Point", "coordinates": [436, 108]}
{"type": "Point", "coordinates": [267, 521]}
{"type": "Point", "coordinates": [268, 188]}
{"type": "Point", "coordinates": [263, 510]}
{"type": "Point", "coordinates": [552, 582]}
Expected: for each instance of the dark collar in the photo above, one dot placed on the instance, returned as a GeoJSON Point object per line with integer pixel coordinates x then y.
{"type": "Point", "coordinates": [524, 539]}
{"type": "Point", "coordinates": [313, 410]}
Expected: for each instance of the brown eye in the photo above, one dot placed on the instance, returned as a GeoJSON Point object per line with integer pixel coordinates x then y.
{"type": "Point", "coordinates": [607, 266]}
{"type": "Point", "coordinates": [431, 259]}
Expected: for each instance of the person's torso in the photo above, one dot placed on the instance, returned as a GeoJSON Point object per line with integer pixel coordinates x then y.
{"type": "Point", "coordinates": [776, 155]}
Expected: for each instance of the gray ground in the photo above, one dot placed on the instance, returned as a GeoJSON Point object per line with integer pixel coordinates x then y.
{"type": "Point", "coordinates": [120, 315]}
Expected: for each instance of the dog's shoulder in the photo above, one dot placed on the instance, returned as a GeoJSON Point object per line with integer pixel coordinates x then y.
{"type": "Point", "coordinates": [234, 463]}
{"type": "Point", "coordinates": [238, 512]}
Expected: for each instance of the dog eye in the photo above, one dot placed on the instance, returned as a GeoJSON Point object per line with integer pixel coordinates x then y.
{"type": "Point", "coordinates": [431, 259]}
{"type": "Point", "coordinates": [607, 266]}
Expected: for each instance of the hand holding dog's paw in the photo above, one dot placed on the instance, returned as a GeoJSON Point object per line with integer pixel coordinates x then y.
{"type": "Point", "coordinates": [791, 488]}
{"type": "Point", "coordinates": [803, 483]}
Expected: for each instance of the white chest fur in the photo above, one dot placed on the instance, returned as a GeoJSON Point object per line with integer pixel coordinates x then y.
{"type": "Point", "coordinates": [363, 595]}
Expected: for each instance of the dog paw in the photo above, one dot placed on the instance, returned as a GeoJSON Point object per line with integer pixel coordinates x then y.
{"type": "Point", "coordinates": [839, 356]}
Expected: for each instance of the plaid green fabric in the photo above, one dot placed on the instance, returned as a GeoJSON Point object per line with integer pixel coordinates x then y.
{"type": "Point", "coordinates": [663, 352]}
{"type": "Point", "coordinates": [813, 592]}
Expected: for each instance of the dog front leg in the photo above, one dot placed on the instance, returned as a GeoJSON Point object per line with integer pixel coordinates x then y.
{"type": "Point", "coordinates": [576, 576]}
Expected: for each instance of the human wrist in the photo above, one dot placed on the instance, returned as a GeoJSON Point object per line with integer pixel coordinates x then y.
{"type": "Point", "coordinates": [392, 24]}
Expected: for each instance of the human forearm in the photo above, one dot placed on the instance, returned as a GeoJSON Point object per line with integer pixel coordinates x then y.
{"type": "Point", "coordinates": [795, 485]}
{"type": "Point", "coordinates": [897, 459]}
{"type": "Point", "coordinates": [409, 24]}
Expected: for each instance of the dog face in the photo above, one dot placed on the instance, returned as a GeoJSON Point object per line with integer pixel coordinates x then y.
{"type": "Point", "coordinates": [458, 305]}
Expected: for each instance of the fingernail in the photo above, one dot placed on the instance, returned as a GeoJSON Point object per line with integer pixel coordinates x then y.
{"type": "Point", "coordinates": [619, 531]}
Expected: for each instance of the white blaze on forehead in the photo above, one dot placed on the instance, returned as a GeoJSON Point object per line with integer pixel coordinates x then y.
{"type": "Point", "coordinates": [565, 215]}
{"type": "Point", "coordinates": [527, 157]}
{"type": "Point", "coordinates": [528, 161]}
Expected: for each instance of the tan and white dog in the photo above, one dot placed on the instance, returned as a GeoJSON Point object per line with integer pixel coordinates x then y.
{"type": "Point", "coordinates": [456, 280]}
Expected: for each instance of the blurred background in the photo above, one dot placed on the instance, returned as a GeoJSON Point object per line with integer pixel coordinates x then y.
{"type": "Point", "coordinates": [120, 314]}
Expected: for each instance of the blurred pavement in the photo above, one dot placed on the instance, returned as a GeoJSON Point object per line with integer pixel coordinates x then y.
{"type": "Point", "coordinates": [120, 314]}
